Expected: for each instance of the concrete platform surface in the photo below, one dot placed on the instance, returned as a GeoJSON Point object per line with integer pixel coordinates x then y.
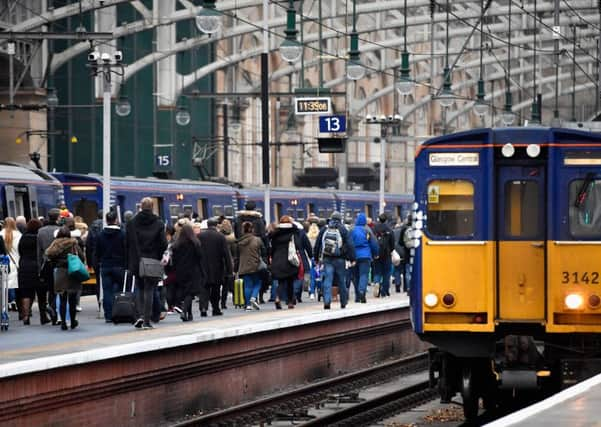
{"type": "Point", "coordinates": [35, 348]}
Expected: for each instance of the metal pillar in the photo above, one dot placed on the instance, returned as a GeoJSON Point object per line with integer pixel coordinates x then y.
{"type": "Point", "coordinates": [265, 109]}
{"type": "Point", "coordinates": [106, 141]}
{"type": "Point", "coordinates": [226, 139]}
{"type": "Point", "coordinates": [382, 168]}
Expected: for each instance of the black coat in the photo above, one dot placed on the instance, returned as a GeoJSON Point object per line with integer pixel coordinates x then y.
{"type": "Point", "coordinates": [187, 262]}
{"type": "Point", "coordinates": [145, 237]}
{"type": "Point", "coordinates": [110, 247]}
{"type": "Point", "coordinates": [280, 239]}
{"type": "Point", "coordinates": [216, 259]}
{"type": "Point", "coordinates": [28, 262]}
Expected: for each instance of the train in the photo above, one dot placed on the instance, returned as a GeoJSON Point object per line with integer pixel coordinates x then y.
{"type": "Point", "coordinates": [31, 192]}
{"type": "Point", "coordinates": [505, 276]}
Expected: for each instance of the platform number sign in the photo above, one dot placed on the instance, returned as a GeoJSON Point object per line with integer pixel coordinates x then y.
{"type": "Point", "coordinates": [332, 124]}
{"type": "Point", "coordinates": [163, 160]}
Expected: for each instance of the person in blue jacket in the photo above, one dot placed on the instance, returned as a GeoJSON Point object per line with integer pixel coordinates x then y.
{"type": "Point", "coordinates": [366, 249]}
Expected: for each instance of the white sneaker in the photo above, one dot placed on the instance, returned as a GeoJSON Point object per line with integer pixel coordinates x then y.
{"type": "Point", "coordinates": [78, 308]}
{"type": "Point", "coordinates": [255, 304]}
{"type": "Point", "coordinates": [249, 308]}
{"type": "Point", "coordinates": [312, 297]}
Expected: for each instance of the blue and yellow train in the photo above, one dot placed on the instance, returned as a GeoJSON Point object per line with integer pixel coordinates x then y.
{"type": "Point", "coordinates": [506, 250]}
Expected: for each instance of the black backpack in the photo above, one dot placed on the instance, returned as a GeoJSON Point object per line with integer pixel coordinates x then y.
{"type": "Point", "coordinates": [384, 242]}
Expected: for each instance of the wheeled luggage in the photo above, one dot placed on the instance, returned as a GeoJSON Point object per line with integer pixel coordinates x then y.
{"type": "Point", "coordinates": [239, 293]}
{"type": "Point", "coordinates": [124, 304]}
{"type": "Point", "coordinates": [4, 269]}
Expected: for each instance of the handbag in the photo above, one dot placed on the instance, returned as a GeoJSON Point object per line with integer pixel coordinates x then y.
{"type": "Point", "coordinates": [262, 265]}
{"type": "Point", "coordinates": [395, 258]}
{"type": "Point", "coordinates": [76, 269]}
{"type": "Point", "coordinates": [292, 255]}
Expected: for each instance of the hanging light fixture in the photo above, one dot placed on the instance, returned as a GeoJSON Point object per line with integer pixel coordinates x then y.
{"type": "Point", "coordinates": [405, 84]}
{"type": "Point", "coordinates": [290, 49]}
{"type": "Point", "coordinates": [209, 19]}
{"type": "Point", "coordinates": [446, 97]}
{"type": "Point", "coordinates": [123, 106]}
{"type": "Point", "coordinates": [508, 117]}
{"type": "Point", "coordinates": [51, 98]}
{"type": "Point", "coordinates": [354, 69]}
{"type": "Point", "coordinates": [480, 106]}
{"type": "Point", "coordinates": [182, 117]}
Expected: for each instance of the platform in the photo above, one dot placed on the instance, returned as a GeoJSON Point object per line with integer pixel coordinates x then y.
{"type": "Point", "coordinates": [25, 349]}
{"type": "Point", "coordinates": [575, 406]}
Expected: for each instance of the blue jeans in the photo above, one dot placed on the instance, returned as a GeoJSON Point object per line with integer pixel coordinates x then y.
{"type": "Point", "coordinates": [112, 281]}
{"type": "Point", "coordinates": [396, 274]}
{"type": "Point", "coordinates": [274, 290]}
{"type": "Point", "coordinates": [12, 295]}
{"type": "Point", "coordinates": [362, 276]}
{"type": "Point", "coordinates": [298, 289]}
{"type": "Point", "coordinates": [315, 280]}
{"type": "Point", "coordinates": [252, 286]}
{"type": "Point", "coordinates": [334, 266]}
{"type": "Point", "coordinates": [382, 276]}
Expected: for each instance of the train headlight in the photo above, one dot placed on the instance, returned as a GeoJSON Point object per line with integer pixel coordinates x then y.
{"type": "Point", "coordinates": [574, 301]}
{"type": "Point", "coordinates": [431, 300]}
{"type": "Point", "coordinates": [508, 150]}
{"type": "Point", "coordinates": [594, 301]}
{"type": "Point", "coordinates": [533, 150]}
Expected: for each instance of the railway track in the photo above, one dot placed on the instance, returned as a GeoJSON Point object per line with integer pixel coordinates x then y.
{"type": "Point", "coordinates": [293, 405]}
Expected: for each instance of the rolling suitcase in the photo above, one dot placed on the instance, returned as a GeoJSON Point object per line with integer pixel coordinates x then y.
{"type": "Point", "coordinates": [239, 293]}
{"type": "Point", "coordinates": [124, 304]}
{"type": "Point", "coordinates": [4, 268]}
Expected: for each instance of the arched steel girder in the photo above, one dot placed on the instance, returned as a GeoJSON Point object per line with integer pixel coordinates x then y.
{"type": "Point", "coordinates": [142, 25]}
{"type": "Point", "coordinates": [474, 64]}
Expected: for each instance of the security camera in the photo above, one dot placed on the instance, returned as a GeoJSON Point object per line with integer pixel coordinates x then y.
{"type": "Point", "coordinates": [382, 118]}
{"type": "Point", "coordinates": [106, 58]}
{"type": "Point", "coordinates": [93, 56]}
{"type": "Point", "coordinates": [118, 55]}
{"type": "Point", "coordinates": [398, 117]}
{"type": "Point", "coordinates": [374, 119]}
{"type": "Point", "coordinates": [390, 118]}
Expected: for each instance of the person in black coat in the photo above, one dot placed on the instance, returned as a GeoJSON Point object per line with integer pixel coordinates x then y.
{"type": "Point", "coordinates": [217, 264]}
{"type": "Point", "coordinates": [110, 261]}
{"type": "Point", "coordinates": [30, 284]}
{"type": "Point", "coordinates": [187, 262]}
{"type": "Point", "coordinates": [145, 237]}
{"type": "Point", "coordinates": [281, 268]}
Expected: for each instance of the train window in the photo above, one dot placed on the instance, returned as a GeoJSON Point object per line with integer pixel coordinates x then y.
{"type": "Point", "coordinates": [174, 211]}
{"type": "Point", "coordinates": [217, 210]}
{"type": "Point", "coordinates": [451, 208]}
{"type": "Point", "coordinates": [522, 209]}
{"type": "Point", "coordinates": [188, 210]}
{"type": "Point", "coordinates": [585, 208]}
{"type": "Point", "coordinates": [138, 207]}
{"type": "Point", "coordinates": [228, 210]}
{"type": "Point", "coordinates": [300, 214]}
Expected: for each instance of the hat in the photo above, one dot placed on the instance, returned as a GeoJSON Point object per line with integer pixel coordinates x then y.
{"type": "Point", "coordinates": [285, 220]}
{"type": "Point", "coordinates": [336, 215]}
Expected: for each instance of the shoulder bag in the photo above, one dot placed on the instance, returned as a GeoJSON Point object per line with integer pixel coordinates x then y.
{"type": "Point", "coordinates": [292, 254]}
{"type": "Point", "coordinates": [148, 267]}
{"type": "Point", "coordinates": [76, 269]}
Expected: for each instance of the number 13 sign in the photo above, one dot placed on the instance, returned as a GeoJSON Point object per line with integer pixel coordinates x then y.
{"type": "Point", "coordinates": [332, 124]}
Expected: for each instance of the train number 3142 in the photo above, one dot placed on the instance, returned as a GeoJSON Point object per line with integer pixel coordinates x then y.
{"type": "Point", "coordinates": [578, 277]}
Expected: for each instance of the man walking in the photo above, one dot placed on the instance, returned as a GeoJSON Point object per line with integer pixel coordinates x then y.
{"type": "Point", "coordinates": [332, 247]}
{"type": "Point", "coordinates": [383, 264]}
{"type": "Point", "coordinates": [45, 238]}
{"type": "Point", "coordinates": [145, 237]}
{"type": "Point", "coordinates": [217, 264]}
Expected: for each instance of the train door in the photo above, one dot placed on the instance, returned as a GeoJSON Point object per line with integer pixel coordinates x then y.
{"type": "Point", "coordinates": [18, 201]}
{"type": "Point", "coordinates": [521, 243]}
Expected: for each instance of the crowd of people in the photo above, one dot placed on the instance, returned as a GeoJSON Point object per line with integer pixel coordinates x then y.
{"type": "Point", "coordinates": [168, 267]}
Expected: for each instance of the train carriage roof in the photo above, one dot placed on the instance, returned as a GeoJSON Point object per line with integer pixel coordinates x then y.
{"type": "Point", "coordinates": [13, 172]}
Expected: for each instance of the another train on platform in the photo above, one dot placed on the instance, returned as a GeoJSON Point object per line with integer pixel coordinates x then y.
{"type": "Point", "coordinates": [83, 196]}
{"type": "Point", "coordinates": [27, 192]}
{"type": "Point", "coordinates": [505, 266]}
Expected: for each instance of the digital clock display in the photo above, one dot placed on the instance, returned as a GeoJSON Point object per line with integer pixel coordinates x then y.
{"type": "Point", "coordinates": [312, 105]}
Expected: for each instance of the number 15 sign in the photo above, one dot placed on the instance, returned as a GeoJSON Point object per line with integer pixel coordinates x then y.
{"type": "Point", "coordinates": [332, 124]}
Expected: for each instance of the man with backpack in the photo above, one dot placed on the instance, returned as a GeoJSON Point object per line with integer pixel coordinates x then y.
{"type": "Point", "coordinates": [383, 264]}
{"type": "Point", "coordinates": [366, 249]}
{"type": "Point", "coordinates": [333, 247]}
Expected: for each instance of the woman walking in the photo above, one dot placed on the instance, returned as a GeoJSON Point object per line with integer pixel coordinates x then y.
{"type": "Point", "coordinates": [11, 237]}
{"type": "Point", "coordinates": [250, 250]}
{"type": "Point", "coordinates": [30, 284]}
{"type": "Point", "coordinates": [64, 285]}
{"type": "Point", "coordinates": [186, 258]}
{"type": "Point", "coordinates": [281, 268]}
